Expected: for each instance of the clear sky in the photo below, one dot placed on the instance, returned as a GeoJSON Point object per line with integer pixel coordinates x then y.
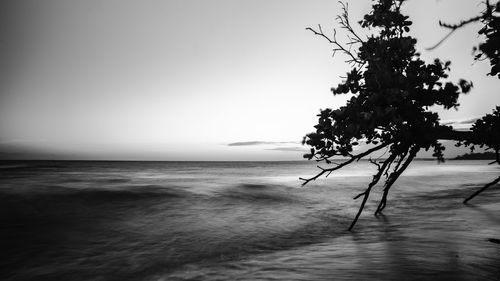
{"type": "Point", "coordinates": [190, 79]}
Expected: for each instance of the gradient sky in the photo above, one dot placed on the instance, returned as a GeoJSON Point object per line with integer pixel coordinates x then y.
{"type": "Point", "coordinates": [190, 80]}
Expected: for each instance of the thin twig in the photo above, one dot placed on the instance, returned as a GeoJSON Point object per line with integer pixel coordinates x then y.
{"type": "Point", "coordinates": [343, 164]}
{"type": "Point", "coordinates": [485, 14]}
{"type": "Point", "coordinates": [497, 180]}
{"type": "Point", "coordinates": [334, 41]}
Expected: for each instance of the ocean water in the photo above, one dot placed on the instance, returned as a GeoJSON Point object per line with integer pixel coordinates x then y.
{"type": "Point", "coordinates": [243, 221]}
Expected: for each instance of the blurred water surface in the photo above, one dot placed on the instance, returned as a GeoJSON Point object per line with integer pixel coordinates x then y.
{"type": "Point", "coordinates": [243, 221]}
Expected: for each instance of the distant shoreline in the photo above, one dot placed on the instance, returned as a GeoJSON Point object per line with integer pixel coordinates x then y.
{"type": "Point", "coordinates": [476, 156]}
{"type": "Point", "coordinates": [480, 156]}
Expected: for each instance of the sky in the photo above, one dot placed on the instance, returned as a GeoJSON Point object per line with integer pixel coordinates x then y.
{"type": "Point", "coordinates": [192, 79]}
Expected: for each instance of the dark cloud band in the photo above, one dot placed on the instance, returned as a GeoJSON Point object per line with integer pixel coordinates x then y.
{"type": "Point", "coordinates": [250, 143]}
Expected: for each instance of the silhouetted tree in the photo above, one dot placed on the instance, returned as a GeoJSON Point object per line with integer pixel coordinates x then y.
{"type": "Point", "coordinates": [391, 90]}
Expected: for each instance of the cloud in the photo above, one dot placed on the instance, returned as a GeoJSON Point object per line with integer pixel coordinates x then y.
{"type": "Point", "coordinates": [468, 121]}
{"type": "Point", "coordinates": [460, 124]}
{"type": "Point", "coordinates": [289, 148]}
{"type": "Point", "coordinates": [284, 146]}
{"type": "Point", "coordinates": [250, 143]}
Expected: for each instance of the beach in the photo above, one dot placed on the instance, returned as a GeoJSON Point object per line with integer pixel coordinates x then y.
{"type": "Point", "coordinates": [85, 220]}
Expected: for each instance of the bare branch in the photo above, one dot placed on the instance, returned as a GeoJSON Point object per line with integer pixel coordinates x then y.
{"type": "Point", "coordinates": [334, 41]}
{"type": "Point", "coordinates": [461, 23]}
{"type": "Point", "coordinates": [485, 14]}
{"type": "Point", "coordinates": [497, 180]}
{"type": "Point", "coordinates": [345, 24]}
{"type": "Point", "coordinates": [494, 162]}
{"type": "Point", "coordinates": [395, 175]}
{"type": "Point", "coordinates": [366, 193]}
{"type": "Point", "coordinates": [441, 41]}
{"type": "Point", "coordinates": [352, 159]}
{"type": "Point", "coordinates": [374, 162]}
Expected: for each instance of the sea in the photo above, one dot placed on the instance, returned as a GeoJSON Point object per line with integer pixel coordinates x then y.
{"type": "Point", "coordinates": [90, 220]}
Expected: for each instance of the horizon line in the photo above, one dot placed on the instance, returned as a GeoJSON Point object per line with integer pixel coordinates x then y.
{"type": "Point", "coordinates": [122, 160]}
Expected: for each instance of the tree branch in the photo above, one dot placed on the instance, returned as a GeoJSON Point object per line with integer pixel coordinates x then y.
{"type": "Point", "coordinates": [352, 159]}
{"type": "Point", "coordinates": [395, 175]}
{"type": "Point", "coordinates": [454, 27]}
{"type": "Point", "coordinates": [344, 22]}
{"type": "Point", "coordinates": [497, 180]}
{"type": "Point", "coordinates": [334, 41]}
{"type": "Point", "coordinates": [366, 193]}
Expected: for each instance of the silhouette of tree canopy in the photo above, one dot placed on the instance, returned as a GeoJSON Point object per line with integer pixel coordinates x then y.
{"type": "Point", "coordinates": [391, 90]}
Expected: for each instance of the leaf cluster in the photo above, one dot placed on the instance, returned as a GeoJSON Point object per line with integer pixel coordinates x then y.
{"type": "Point", "coordinates": [392, 90]}
{"type": "Point", "coordinates": [490, 48]}
{"type": "Point", "coordinates": [486, 133]}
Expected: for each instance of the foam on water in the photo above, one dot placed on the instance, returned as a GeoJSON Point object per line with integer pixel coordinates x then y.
{"type": "Point", "coordinates": [245, 221]}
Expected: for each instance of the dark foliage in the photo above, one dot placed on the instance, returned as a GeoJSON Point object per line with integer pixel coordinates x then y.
{"type": "Point", "coordinates": [476, 156]}
{"type": "Point", "coordinates": [486, 133]}
{"type": "Point", "coordinates": [391, 90]}
{"type": "Point", "coordinates": [490, 48]}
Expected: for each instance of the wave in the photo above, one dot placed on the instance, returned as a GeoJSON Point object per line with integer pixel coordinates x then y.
{"type": "Point", "coordinates": [255, 193]}
{"type": "Point", "coordinates": [161, 230]}
{"type": "Point", "coordinates": [12, 167]}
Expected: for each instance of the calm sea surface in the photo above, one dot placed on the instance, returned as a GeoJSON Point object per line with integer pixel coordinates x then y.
{"type": "Point", "coordinates": [243, 221]}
